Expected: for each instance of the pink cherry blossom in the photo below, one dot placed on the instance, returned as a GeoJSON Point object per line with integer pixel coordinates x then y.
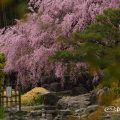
{"type": "Point", "coordinates": [28, 44]}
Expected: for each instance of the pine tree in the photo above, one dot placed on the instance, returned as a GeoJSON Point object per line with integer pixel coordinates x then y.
{"type": "Point", "coordinates": [98, 45]}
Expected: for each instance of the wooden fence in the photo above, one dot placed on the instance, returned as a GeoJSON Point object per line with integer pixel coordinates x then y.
{"type": "Point", "coordinates": [10, 101]}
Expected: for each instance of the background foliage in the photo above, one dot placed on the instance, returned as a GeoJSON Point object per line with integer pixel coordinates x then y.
{"type": "Point", "coordinates": [2, 63]}
{"type": "Point", "coordinates": [98, 45]}
{"type": "Point", "coordinates": [10, 10]}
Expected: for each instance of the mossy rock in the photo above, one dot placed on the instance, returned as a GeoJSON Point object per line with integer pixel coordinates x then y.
{"type": "Point", "coordinates": [33, 96]}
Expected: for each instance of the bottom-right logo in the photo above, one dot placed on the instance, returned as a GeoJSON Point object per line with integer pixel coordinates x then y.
{"type": "Point", "coordinates": [112, 109]}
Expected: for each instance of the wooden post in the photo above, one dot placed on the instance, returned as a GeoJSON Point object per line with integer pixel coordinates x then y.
{"type": "Point", "coordinates": [7, 105]}
{"type": "Point", "coordinates": [19, 97]}
{"type": "Point", "coordinates": [15, 95]}
{"type": "Point", "coordinates": [9, 97]}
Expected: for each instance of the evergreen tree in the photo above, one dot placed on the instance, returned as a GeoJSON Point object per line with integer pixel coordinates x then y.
{"type": "Point", "coordinates": [98, 45]}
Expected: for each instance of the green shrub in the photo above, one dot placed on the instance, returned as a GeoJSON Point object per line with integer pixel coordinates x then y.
{"type": "Point", "coordinates": [39, 100]}
{"type": "Point", "coordinates": [115, 117]}
{"type": "Point", "coordinates": [2, 113]}
{"type": "Point", "coordinates": [2, 64]}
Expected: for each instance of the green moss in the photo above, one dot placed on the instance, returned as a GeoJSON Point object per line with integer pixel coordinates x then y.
{"type": "Point", "coordinates": [2, 113]}
{"type": "Point", "coordinates": [71, 117]}
{"type": "Point", "coordinates": [114, 117]}
{"type": "Point", "coordinates": [2, 64]}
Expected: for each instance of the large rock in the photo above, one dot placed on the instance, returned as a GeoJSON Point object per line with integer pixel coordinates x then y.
{"type": "Point", "coordinates": [55, 87]}
{"type": "Point", "coordinates": [79, 90]}
{"type": "Point", "coordinates": [91, 108]}
{"type": "Point", "coordinates": [50, 99]}
{"type": "Point", "coordinates": [74, 103]}
{"type": "Point", "coordinates": [103, 91]}
{"type": "Point", "coordinates": [31, 96]}
{"type": "Point", "coordinates": [65, 112]}
{"type": "Point", "coordinates": [93, 97]}
{"type": "Point", "coordinates": [100, 93]}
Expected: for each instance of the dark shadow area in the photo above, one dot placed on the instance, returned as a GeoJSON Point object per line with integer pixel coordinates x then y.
{"type": "Point", "coordinates": [15, 9]}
